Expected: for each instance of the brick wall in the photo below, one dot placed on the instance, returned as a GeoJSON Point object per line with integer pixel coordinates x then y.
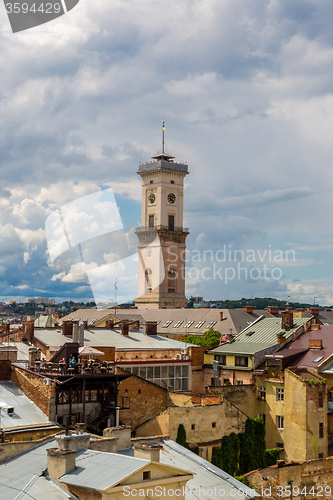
{"type": "Point", "coordinates": [146, 400]}
{"type": "Point", "coordinates": [33, 386]}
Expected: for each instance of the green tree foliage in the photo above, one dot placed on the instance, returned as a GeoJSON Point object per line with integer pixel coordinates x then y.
{"type": "Point", "coordinates": [243, 452]}
{"type": "Point", "coordinates": [210, 338]}
{"type": "Point", "coordinates": [181, 439]}
{"type": "Point", "coordinates": [181, 436]}
{"type": "Point", "coordinates": [272, 456]}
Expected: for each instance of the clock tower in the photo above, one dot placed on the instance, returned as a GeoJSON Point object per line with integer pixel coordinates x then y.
{"type": "Point", "coordinates": [161, 247]}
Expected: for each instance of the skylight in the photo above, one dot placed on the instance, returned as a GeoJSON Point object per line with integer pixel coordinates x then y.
{"type": "Point", "coordinates": [318, 359]}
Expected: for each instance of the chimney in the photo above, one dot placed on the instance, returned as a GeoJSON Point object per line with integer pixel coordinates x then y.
{"type": "Point", "coordinates": [249, 309]}
{"type": "Point", "coordinates": [151, 327]}
{"type": "Point", "coordinates": [221, 315]}
{"type": "Point", "coordinates": [287, 320]}
{"type": "Point", "coordinates": [81, 335]}
{"type": "Point", "coordinates": [305, 327]}
{"type": "Point", "coordinates": [148, 451]}
{"type": "Point", "coordinates": [280, 338]}
{"type": "Point", "coordinates": [315, 343]}
{"type": "Point", "coordinates": [30, 329]}
{"type": "Point", "coordinates": [109, 324]}
{"type": "Point", "coordinates": [85, 324]}
{"type": "Point", "coordinates": [314, 311]}
{"type": "Point", "coordinates": [59, 462]}
{"type": "Point", "coordinates": [73, 442]}
{"type": "Point", "coordinates": [67, 328]}
{"type": "Point", "coordinates": [75, 332]}
{"type": "Point", "coordinates": [124, 327]}
{"type": "Point", "coordinates": [315, 326]}
{"type": "Point", "coordinates": [273, 309]}
{"type": "Point", "coordinates": [32, 355]}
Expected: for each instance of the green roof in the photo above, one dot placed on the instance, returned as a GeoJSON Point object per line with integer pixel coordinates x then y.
{"type": "Point", "coordinates": [264, 335]}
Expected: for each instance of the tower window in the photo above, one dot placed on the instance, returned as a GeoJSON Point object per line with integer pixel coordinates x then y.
{"type": "Point", "coordinates": [172, 182]}
{"type": "Point", "coordinates": [151, 220]}
{"type": "Point", "coordinates": [171, 222]}
{"type": "Point", "coordinates": [151, 182]}
{"type": "Point", "coordinates": [148, 274]}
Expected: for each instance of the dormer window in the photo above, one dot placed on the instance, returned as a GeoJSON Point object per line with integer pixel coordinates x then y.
{"type": "Point", "coordinates": [146, 475]}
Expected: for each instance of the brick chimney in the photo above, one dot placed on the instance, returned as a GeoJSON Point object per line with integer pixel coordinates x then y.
{"type": "Point", "coordinates": [148, 451]}
{"type": "Point", "coordinates": [287, 320]}
{"type": "Point", "coordinates": [315, 343]}
{"type": "Point", "coordinates": [273, 309]}
{"type": "Point", "coordinates": [221, 315]}
{"type": "Point", "coordinates": [305, 327]}
{"type": "Point", "coordinates": [314, 311]}
{"type": "Point", "coordinates": [29, 331]}
{"type": "Point", "coordinates": [59, 462]}
{"type": "Point", "coordinates": [124, 327]}
{"type": "Point", "coordinates": [151, 327]}
{"type": "Point", "coordinates": [249, 309]}
{"type": "Point", "coordinates": [67, 328]}
{"type": "Point", "coordinates": [109, 324]}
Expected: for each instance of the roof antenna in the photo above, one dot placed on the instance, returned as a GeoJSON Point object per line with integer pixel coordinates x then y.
{"type": "Point", "coordinates": [163, 130]}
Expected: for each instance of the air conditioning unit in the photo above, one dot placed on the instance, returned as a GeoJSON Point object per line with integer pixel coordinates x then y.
{"type": "Point", "coordinates": [184, 351]}
{"type": "Point", "coordinates": [47, 381]}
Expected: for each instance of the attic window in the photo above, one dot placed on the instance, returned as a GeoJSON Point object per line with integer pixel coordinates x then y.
{"type": "Point", "coordinates": [146, 475]}
{"type": "Point", "coordinates": [249, 333]}
{"type": "Point", "coordinates": [318, 359]}
{"type": "Point", "coordinates": [199, 325]}
{"type": "Point", "coordinates": [177, 325]}
{"type": "Point", "coordinates": [10, 410]}
{"type": "Point", "coordinates": [168, 323]}
{"type": "Point", "coordinates": [211, 324]}
{"type": "Point", "coordinates": [188, 324]}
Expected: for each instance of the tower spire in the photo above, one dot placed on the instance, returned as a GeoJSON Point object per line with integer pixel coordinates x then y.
{"type": "Point", "coordinates": [163, 156]}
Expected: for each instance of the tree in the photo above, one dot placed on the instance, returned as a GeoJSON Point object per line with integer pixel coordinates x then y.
{"type": "Point", "coordinates": [210, 338]}
{"type": "Point", "coordinates": [181, 436]}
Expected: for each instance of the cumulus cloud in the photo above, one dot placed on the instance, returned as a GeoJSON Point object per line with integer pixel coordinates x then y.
{"type": "Point", "coordinates": [245, 89]}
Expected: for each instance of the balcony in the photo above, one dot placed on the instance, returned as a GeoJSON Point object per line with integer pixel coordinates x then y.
{"type": "Point", "coordinates": [145, 229]}
{"type": "Point", "coordinates": [55, 370]}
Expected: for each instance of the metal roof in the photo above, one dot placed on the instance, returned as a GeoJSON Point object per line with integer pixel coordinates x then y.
{"type": "Point", "coordinates": [103, 338]}
{"type": "Point", "coordinates": [258, 336]}
{"type": "Point", "coordinates": [25, 411]}
{"type": "Point", "coordinates": [100, 470]}
{"type": "Point", "coordinates": [21, 478]}
{"type": "Point", "coordinates": [208, 482]}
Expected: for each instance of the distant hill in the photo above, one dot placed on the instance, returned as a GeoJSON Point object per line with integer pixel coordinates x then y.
{"type": "Point", "coordinates": [262, 303]}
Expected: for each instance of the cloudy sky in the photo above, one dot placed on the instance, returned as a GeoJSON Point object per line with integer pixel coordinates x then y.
{"type": "Point", "coordinates": [246, 90]}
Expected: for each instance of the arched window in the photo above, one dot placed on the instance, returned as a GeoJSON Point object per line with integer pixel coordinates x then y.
{"type": "Point", "coordinates": [148, 275]}
{"type": "Point", "coordinates": [172, 280]}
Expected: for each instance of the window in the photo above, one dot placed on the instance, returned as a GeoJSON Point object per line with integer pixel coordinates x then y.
{"type": "Point", "coordinates": [193, 427]}
{"type": "Point", "coordinates": [262, 393]}
{"type": "Point", "coordinates": [177, 325]}
{"type": "Point", "coordinates": [171, 223]}
{"type": "Point", "coordinates": [321, 455]}
{"type": "Point", "coordinates": [321, 429]}
{"type": "Point", "coordinates": [188, 324]}
{"type": "Point", "coordinates": [172, 182]}
{"type": "Point", "coordinates": [321, 404]}
{"type": "Point", "coordinates": [262, 416]}
{"type": "Point", "coordinates": [222, 360]}
{"type": "Point", "coordinates": [146, 475]}
{"type": "Point", "coordinates": [199, 325]}
{"type": "Point", "coordinates": [280, 422]}
{"type": "Point", "coordinates": [318, 359]}
{"type": "Point", "coordinates": [214, 425]}
{"type": "Point", "coordinates": [151, 182]}
{"type": "Point", "coordinates": [279, 394]}
{"type": "Point", "coordinates": [168, 323]}
{"type": "Point", "coordinates": [211, 324]}
{"type": "Point", "coordinates": [239, 382]}
{"type": "Point", "coordinates": [148, 274]}
{"type": "Point", "coordinates": [226, 381]}
{"type": "Point", "coordinates": [279, 445]}
{"type": "Point", "coordinates": [241, 361]}
{"type": "Point", "coordinates": [151, 220]}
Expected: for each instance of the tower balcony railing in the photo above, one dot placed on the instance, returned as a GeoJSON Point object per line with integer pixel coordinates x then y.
{"type": "Point", "coordinates": [175, 229]}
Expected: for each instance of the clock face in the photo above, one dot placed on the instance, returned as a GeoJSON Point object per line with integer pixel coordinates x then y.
{"type": "Point", "coordinates": [171, 198]}
{"type": "Point", "coordinates": [151, 198]}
